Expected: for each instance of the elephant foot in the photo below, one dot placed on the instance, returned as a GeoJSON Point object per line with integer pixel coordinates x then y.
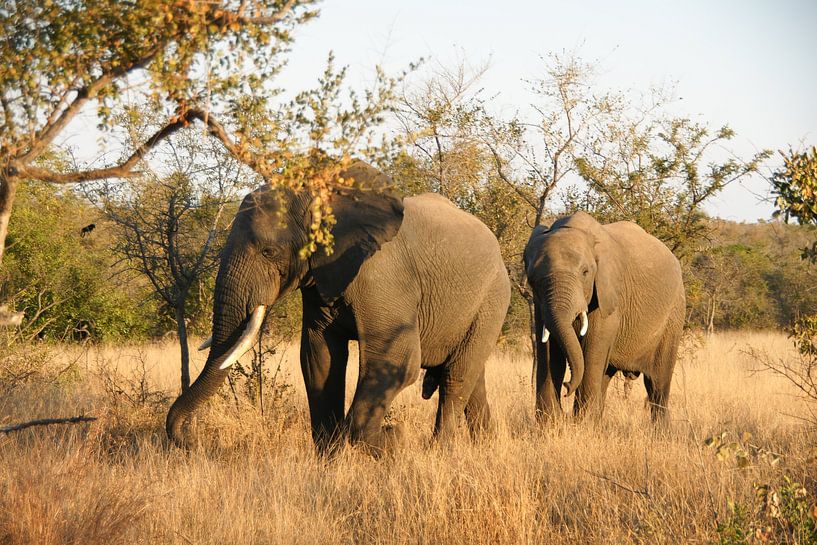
{"type": "Point", "coordinates": [328, 449]}
{"type": "Point", "coordinates": [384, 443]}
{"type": "Point", "coordinates": [393, 436]}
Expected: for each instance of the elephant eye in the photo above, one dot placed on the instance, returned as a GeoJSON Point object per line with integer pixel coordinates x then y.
{"type": "Point", "coordinates": [585, 271]}
{"type": "Point", "coordinates": [269, 253]}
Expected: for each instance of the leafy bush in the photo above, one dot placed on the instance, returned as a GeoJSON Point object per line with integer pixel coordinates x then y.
{"type": "Point", "coordinates": [63, 281]}
{"type": "Point", "coordinates": [785, 513]}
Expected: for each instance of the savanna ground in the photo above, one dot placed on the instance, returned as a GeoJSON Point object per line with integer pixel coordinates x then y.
{"type": "Point", "coordinates": [255, 479]}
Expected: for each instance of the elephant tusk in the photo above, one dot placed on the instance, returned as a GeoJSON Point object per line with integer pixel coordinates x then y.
{"type": "Point", "coordinates": [583, 330]}
{"type": "Point", "coordinates": [207, 343]}
{"type": "Point", "coordinates": [247, 338]}
{"type": "Point", "coordinates": [545, 334]}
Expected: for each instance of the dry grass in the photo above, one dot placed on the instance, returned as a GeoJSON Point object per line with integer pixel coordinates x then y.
{"type": "Point", "coordinates": [257, 480]}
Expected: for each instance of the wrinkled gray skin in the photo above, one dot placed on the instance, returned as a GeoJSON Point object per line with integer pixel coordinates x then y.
{"type": "Point", "coordinates": [417, 282]}
{"type": "Point", "coordinates": [630, 284]}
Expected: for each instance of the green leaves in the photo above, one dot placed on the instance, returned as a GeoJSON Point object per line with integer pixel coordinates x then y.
{"type": "Point", "coordinates": [59, 54]}
{"type": "Point", "coordinates": [658, 171]}
{"type": "Point", "coordinates": [795, 185]}
{"type": "Point", "coordinates": [63, 280]}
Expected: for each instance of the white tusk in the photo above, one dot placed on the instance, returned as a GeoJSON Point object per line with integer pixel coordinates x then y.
{"type": "Point", "coordinates": [545, 334]}
{"type": "Point", "coordinates": [247, 338]}
{"type": "Point", "coordinates": [207, 343]}
{"type": "Point", "coordinates": [583, 330]}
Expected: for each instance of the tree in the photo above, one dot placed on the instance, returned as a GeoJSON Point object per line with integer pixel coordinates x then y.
{"type": "Point", "coordinates": [196, 60]}
{"type": "Point", "coordinates": [657, 171]}
{"type": "Point", "coordinates": [189, 62]}
{"type": "Point", "coordinates": [535, 156]}
{"type": "Point", "coordinates": [728, 287]}
{"type": "Point", "coordinates": [63, 281]}
{"type": "Point", "coordinates": [169, 228]}
{"type": "Point", "coordinates": [796, 187]}
{"type": "Point", "coordinates": [795, 184]}
{"type": "Point", "coordinates": [439, 117]}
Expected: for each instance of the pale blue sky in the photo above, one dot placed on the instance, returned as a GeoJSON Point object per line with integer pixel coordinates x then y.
{"type": "Point", "coordinates": [750, 64]}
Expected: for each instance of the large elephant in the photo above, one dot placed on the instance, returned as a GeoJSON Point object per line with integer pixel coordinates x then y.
{"type": "Point", "coordinates": [417, 282]}
{"type": "Point", "coordinates": [607, 298]}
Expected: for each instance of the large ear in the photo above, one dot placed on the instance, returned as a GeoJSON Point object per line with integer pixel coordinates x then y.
{"type": "Point", "coordinates": [531, 246]}
{"type": "Point", "coordinates": [365, 220]}
{"type": "Point", "coordinates": [607, 285]}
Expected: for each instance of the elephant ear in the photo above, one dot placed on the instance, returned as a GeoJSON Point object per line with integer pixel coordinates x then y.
{"type": "Point", "coordinates": [365, 220]}
{"type": "Point", "coordinates": [533, 243]}
{"type": "Point", "coordinates": [606, 288]}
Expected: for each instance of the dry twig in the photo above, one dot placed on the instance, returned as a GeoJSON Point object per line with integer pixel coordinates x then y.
{"type": "Point", "coordinates": [47, 422]}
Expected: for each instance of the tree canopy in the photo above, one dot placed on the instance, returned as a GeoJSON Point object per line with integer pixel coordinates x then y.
{"type": "Point", "coordinates": [212, 63]}
{"type": "Point", "coordinates": [795, 184]}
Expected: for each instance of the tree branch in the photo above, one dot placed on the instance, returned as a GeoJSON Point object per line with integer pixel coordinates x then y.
{"type": "Point", "coordinates": [51, 130]}
{"type": "Point", "coordinates": [47, 422]}
{"type": "Point", "coordinates": [123, 170]}
{"type": "Point", "coordinates": [276, 17]}
{"type": "Point", "coordinates": [504, 178]}
{"type": "Point", "coordinates": [215, 128]}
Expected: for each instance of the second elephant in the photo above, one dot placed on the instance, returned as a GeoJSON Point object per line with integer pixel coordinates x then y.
{"type": "Point", "coordinates": [607, 298]}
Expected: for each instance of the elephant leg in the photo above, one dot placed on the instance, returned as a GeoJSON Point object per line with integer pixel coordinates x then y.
{"type": "Point", "coordinates": [323, 363]}
{"type": "Point", "coordinates": [551, 366]}
{"type": "Point", "coordinates": [462, 389]}
{"type": "Point", "coordinates": [609, 373]}
{"type": "Point", "coordinates": [657, 397]}
{"type": "Point", "coordinates": [590, 395]}
{"type": "Point", "coordinates": [659, 379]}
{"type": "Point", "coordinates": [388, 363]}
{"type": "Point", "coordinates": [455, 390]}
{"type": "Point", "coordinates": [477, 411]}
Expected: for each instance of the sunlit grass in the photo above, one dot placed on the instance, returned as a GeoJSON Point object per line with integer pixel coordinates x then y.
{"type": "Point", "coordinates": [254, 479]}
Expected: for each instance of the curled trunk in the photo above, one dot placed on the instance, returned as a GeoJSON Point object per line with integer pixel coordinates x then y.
{"type": "Point", "coordinates": [207, 384]}
{"type": "Point", "coordinates": [561, 326]}
{"type": "Point", "coordinates": [236, 316]}
{"type": "Point", "coordinates": [213, 374]}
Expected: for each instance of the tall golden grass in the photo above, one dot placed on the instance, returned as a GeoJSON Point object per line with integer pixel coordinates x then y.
{"type": "Point", "coordinates": [255, 479]}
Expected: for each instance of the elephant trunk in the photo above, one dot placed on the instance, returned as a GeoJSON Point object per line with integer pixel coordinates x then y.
{"type": "Point", "coordinates": [560, 318]}
{"type": "Point", "coordinates": [237, 320]}
{"type": "Point", "coordinates": [207, 384]}
{"type": "Point", "coordinates": [213, 374]}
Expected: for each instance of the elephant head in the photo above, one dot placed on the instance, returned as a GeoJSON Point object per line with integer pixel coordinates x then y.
{"type": "Point", "coordinates": [572, 268]}
{"type": "Point", "coordinates": [261, 263]}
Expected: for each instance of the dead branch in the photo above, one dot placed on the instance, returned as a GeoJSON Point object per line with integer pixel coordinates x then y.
{"type": "Point", "coordinates": [47, 422]}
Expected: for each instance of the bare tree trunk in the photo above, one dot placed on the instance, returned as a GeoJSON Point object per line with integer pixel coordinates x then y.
{"type": "Point", "coordinates": [532, 317]}
{"type": "Point", "coordinates": [261, 370]}
{"type": "Point", "coordinates": [8, 189]}
{"type": "Point", "coordinates": [713, 303]}
{"type": "Point", "coordinates": [181, 328]}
